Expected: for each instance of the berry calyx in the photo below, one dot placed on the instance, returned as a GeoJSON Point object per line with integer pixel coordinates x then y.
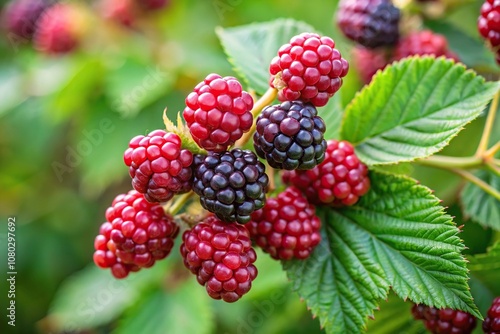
{"type": "Point", "coordinates": [447, 320]}
{"type": "Point", "coordinates": [231, 184]}
{"type": "Point", "coordinates": [158, 165]}
{"type": "Point", "coordinates": [338, 181]}
{"type": "Point", "coordinates": [287, 226]}
{"type": "Point", "coordinates": [218, 112]}
{"type": "Point", "coordinates": [308, 68]}
{"type": "Point", "coordinates": [221, 256]}
{"type": "Point", "coordinates": [136, 234]}
{"type": "Point", "coordinates": [290, 136]}
{"type": "Point", "coordinates": [423, 43]}
{"type": "Point", "coordinates": [491, 324]}
{"type": "Point", "coordinates": [371, 23]}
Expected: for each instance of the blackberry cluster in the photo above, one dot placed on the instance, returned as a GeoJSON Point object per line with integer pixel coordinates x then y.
{"type": "Point", "coordinates": [488, 25]}
{"type": "Point", "coordinates": [338, 181]}
{"type": "Point", "coordinates": [290, 136]}
{"type": "Point", "coordinates": [491, 324]}
{"type": "Point", "coordinates": [441, 321]}
{"type": "Point", "coordinates": [308, 68]}
{"type": "Point", "coordinates": [218, 112]}
{"type": "Point", "coordinates": [231, 184]}
{"type": "Point", "coordinates": [221, 257]}
{"type": "Point", "coordinates": [135, 235]}
{"type": "Point", "coordinates": [371, 23]}
{"type": "Point", "coordinates": [159, 167]}
{"type": "Point", "coordinates": [287, 226]}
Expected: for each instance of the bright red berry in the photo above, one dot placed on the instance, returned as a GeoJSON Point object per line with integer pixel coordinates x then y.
{"type": "Point", "coordinates": [371, 23]}
{"type": "Point", "coordinates": [20, 17]}
{"type": "Point", "coordinates": [152, 5]}
{"type": "Point", "coordinates": [422, 43]}
{"type": "Point", "coordinates": [158, 165]}
{"type": "Point", "coordinates": [221, 256]}
{"type": "Point", "coordinates": [338, 181]}
{"type": "Point", "coordinates": [369, 61]}
{"type": "Point", "coordinates": [218, 112]}
{"type": "Point", "coordinates": [488, 25]}
{"type": "Point", "coordinates": [444, 321]}
{"type": "Point", "coordinates": [491, 324]}
{"type": "Point", "coordinates": [135, 235]}
{"type": "Point", "coordinates": [60, 29]}
{"type": "Point", "coordinates": [308, 68]}
{"type": "Point", "coordinates": [123, 12]}
{"type": "Point", "coordinates": [287, 227]}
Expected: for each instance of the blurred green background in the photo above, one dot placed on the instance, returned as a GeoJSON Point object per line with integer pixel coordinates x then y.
{"type": "Point", "coordinates": [64, 124]}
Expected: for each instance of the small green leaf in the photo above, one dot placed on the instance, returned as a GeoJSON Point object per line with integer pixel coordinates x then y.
{"type": "Point", "coordinates": [184, 309]}
{"type": "Point", "coordinates": [397, 235]}
{"type": "Point", "coordinates": [479, 205]}
{"type": "Point", "coordinates": [413, 109]}
{"type": "Point", "coordinates": [251, 48]}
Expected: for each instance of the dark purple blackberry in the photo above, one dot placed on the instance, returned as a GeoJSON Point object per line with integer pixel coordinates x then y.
{"type": "Point", "coordinates": [231, 184]}
{"type": "Point", "coordinates": [491, 324]}
{"type": "Point", "coordinates": [371, 23]}
{"type": "Point", "coordinates": [290, 136]}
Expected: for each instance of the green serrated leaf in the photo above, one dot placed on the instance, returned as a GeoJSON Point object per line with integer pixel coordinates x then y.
{"type": "Point", "coordinates": [413, 109]}
{"type": "Point", "coordinates": [479, 205]}
{"type": "Point", "coordinates": [397, 235]}
{"type": "Point", "coordinates": [251, 48]}
{"type": "Point", "coordinates": [485, 275]}
{"type": "Point", "coordinates": [184, 309]}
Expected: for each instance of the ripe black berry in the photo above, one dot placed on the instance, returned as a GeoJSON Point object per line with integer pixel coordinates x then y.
{"type": "Point", "coordinates": [290, 136]}
{"type": "Point", "coordinates": [231, 184]}
{"type": "Point", "coordinates": [371, 23]}
{"type": "Point", "coordinates": [491, 324]}
{"type": "Point", "coordinates": [287, 226]}
{"type": "Point", "coordinates": [221, 257]}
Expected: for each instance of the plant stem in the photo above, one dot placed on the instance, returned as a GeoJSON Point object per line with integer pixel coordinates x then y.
{"type": "Point", "coordinates": [261, 103]}
{"type": "Point", "coordinates": [492, 167]}
{"type": "Point", "coordinates": [446, 162]}
{"type": "Point", "coordinates": [483, 144]}
{"type": "Point", "coordinates": [490, 153]}
{"type": "Point", "coordinates": [179, 203]}
{"type": "Point", "coordinates": [478, 182]}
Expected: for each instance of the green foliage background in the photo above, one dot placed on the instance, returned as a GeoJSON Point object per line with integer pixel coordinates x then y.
{"type": "Point", "coordinates": [48, 107]}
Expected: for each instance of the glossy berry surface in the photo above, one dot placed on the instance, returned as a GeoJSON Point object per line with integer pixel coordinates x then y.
{"type": "Point", "coordinates": [488, 25]}
{"type": "Point", "coordinates": [287, 226]}
{"type": "Point", "coordinates": [218, 112]}
{"type": "Point", "coordinates": [371, 23]}
{"type": "Point", "coordinates": [20, 17]}
{"type": "Point", "coordinates": [369, 61]}
{"type": "Point", "coordinates": [308, 68]}
{"type": "Point", "coordinates": [338, 181]}
{"type": "Point", "coordinates": [290, 136]}
{"type": "Point", "coordinates": [444, 321]}
{"type": "Point", "coordinates": [422, 43]}
{"type": "Point", "coordinates": [159, 167]}
{"type": "Point", "coordinates": [59, 29]}
{"type": "Point", "coordinates": [232, 184]}
{"type": "Point", "coordinates": [135, 235]}
{"type": "Point", "coordinates": [491, 324]}
{"type": "Point", "coordinates": [221, 257]}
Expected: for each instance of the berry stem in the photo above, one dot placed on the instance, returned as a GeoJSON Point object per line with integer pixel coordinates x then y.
{"type": "Point", "coordinates": [492, 167]}
{"type": "Point", "coordinates": [490, 153]}
{"type": "Point", "coordinates": [483, 144]}
{"type": "Point", "coordinates": [445, 162]}
{"type": "Point", "coordinates": [477, 181]}
{"type": "Point", "coordinates": [179, 203]}
{"type": "Point", "coordinates": [260, 104]}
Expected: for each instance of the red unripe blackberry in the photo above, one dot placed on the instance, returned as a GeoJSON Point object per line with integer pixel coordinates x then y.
{"type": "Point", "coordinates": [488, 25]}
{"type": "Point", "coordinates": [221, 256]}
{"type": "Point", "coordinates": [218, 112]}
{"type": "Point", "coordinates": [232, 184]}
{"type": "Point", "coordinates": [491, 324]}
{"type": "Point", "coordinates": [152, 5]}
{"type": "Point", "coordinates": [338, 181]}
{"type": "Point", "coordinates": [20, 17]}
{"type": "Point", "coordinates": [371, 23]}
{"type": "Point", "coordinates": [135, 235]}
{"type": "Point", "coordinates": [308, 68]}
{"type": "Point", "coordinates": [123, 12]}
{"type": "Point", "coordinates": [158, 165]}
{"type": "Point", "coordinates": [369, 61]}
{"type": "Point", "coordinates": [444, 321]}
{"type": "Point", "coordinates": [60, 29]}
{"type": "Point", "coordinates": [287, 226]}
{"type": "Point", "coordinates": [422, 43]}
{"type": "Point", "coordinates": [290, 136]}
